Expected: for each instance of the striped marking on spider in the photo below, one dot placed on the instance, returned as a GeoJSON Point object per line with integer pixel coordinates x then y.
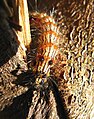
{"type": "Point", "coordinates": [48, 43]}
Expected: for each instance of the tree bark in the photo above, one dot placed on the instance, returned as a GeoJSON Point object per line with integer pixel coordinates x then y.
{"type": "Point", "coordinates": [71, 96]}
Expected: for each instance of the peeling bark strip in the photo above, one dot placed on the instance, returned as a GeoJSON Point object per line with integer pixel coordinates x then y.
{"type": "Point", "coordinates": [21, 15]}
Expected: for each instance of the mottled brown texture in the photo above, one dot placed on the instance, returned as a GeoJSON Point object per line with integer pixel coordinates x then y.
{"type": "Point", "coordinates": [77, 46]}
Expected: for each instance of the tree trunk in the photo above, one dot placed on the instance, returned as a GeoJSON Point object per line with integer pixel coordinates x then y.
{"type": "Point", "coordinates": [69, 94]}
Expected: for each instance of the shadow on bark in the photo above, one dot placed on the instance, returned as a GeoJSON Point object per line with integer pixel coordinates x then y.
{"type": "Point", "coordinates": [8, 42]}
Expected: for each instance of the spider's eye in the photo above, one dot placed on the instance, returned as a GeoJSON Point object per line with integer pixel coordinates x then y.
{"type": "Point", "coordinates": [41, 58]}
{"type": "Point", "coordinates": [50, 62]}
